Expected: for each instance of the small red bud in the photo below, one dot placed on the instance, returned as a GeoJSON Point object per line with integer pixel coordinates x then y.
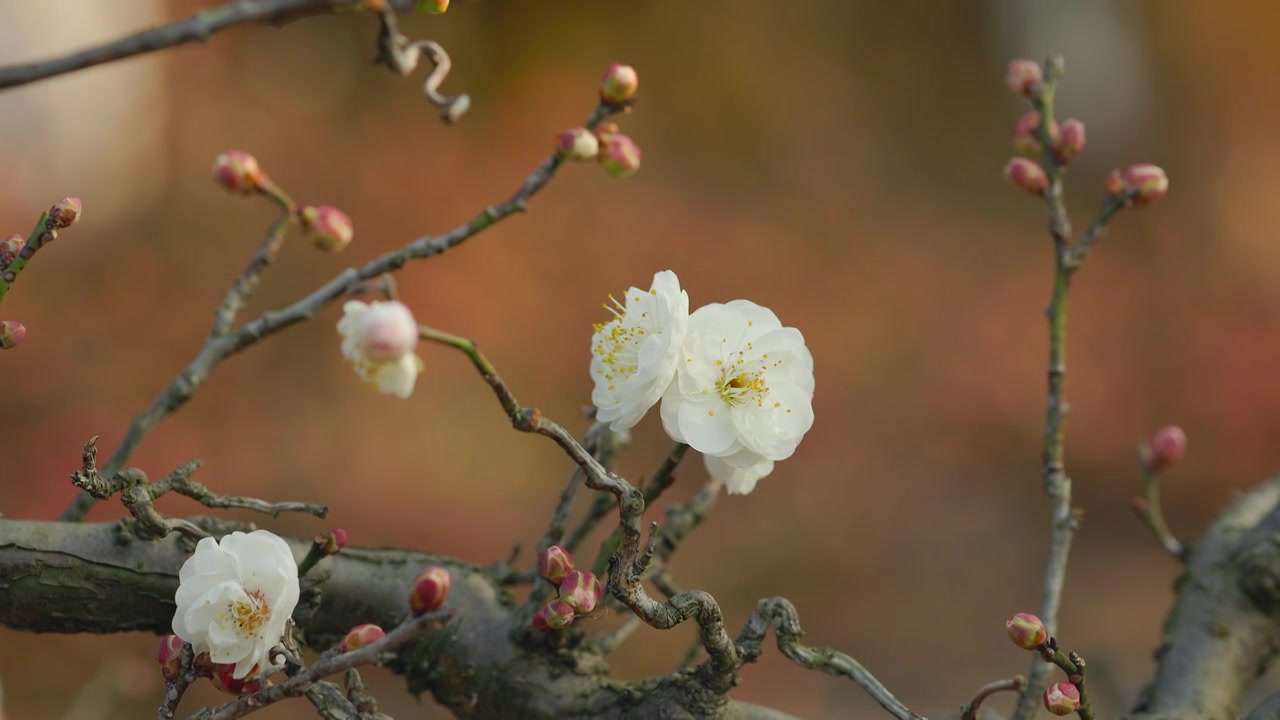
{"type": "Point", "coordinates": [170, 657]}
{"type": "Point", "coordinates": [238, 171]}
{"type": "Point", "coordinates": [223, 680]}
{"type": "Point", "coordinates": [1062, 698]}
{"type": "Point", "coordinates": [619, 155]}
{"type": "Point", "coordinates": [619, 83]}
{"type": "Point", "coordinates": [430, 590]}
{"type": "Point", "coordinates": [1167, 446]}
{"type": "Point", "coordinates": [555, 563]}
{"type": "Point", "coordinates": [65, 213]}
{"type": "Point", "coordinates": [328, 227]}
{"type": "Point", "coordinates": [578, 144]}
{"type": "Point", "coordinates": [12, 333]}
{"type": "Point", "coordinates": [1148, 182]}
{"type": "Point", "coordinates": [1071, 141]}
{"type": "Point", "coordinates": [1026, 135]}
{"type": "Point", "coordinates": [333, 541]}
{"type": "Point", "coordinates": [360, 636]}
{"type": "Point", "coordinates": [1022, 76]}
{"type": "Point", "coordinates": [555, 615]}
{"type": "Point", "coordinates": [1027, 175]}
{"type": "Point", "coordinates": [1026, 631]}
{"type": "Point", "coordinates": [581, 590]}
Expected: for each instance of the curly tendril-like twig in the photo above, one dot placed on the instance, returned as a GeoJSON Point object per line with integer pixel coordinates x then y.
{"type": "Point", "coordinates": [396, 52]}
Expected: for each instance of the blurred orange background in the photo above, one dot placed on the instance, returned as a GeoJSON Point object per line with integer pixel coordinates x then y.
{"type": "Point", "coordinates": [836, 161]}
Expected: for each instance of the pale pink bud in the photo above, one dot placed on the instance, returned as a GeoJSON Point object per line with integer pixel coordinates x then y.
{"type": "Point", "coordinates": [581, 590]}
{"type": "Point", "coordinates": [430, 590]}
{"type": "Point", "coordinates": [554, 563]}
{"type": "Point", "coordinates": [555, 615]}
{"type": "Point", "coordinates": [1022, 76]}
{"type": "Point", "coordinates": [387, 331]}
{"type": "Point", "coordinates": [65, 213]}
{"type": "Point", "coordinates": [1062, 698]}
{"type": "Point", "coordinates": [619, 84]}
{"type": "Point", "coordinates": [1148, 182]}
{"type": "Point", "coordinates": [223, 679]}
{"type": "Point", "coordinates": [169, 656]}
{"type": "Point", "coordinates": [619, 155]}
{"type": "Point", "coordinates": [332, 542]}
{"type": "Point", "coordinates": [360, 636]}
{"type": "Point", "coordinates": [1027, 175]}
{"type": "Point", "coordinates": [1167, 446]}
{"type": "Point", "coordinates": [238, 171]}
{"type": "Point", "coordinates": [433, 7]}
{"type": "Point", "coordinates": [12, 332]}
{"type": "Point", "coordinates": [578, 144]}
{"type": "Point", "coordinates": [1026, 631]}
{"type": "Point", "coordinates": [10, 246]}
{"type": "Point", "coordinates": [327, 227]}
{"type": "Point", "coordinates": [1071, 141]}
{"type": "Point", "coordinates": [1026, 135]}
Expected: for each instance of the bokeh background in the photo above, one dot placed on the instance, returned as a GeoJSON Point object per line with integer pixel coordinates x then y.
{"type": "Point", "coordinates": [837, 161]}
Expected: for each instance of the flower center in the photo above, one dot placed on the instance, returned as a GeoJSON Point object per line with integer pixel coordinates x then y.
{"type": "Point", "coordinates": [737, 385]}
{"type": "Point", "coordinates": [618, 341]}
{"type": "Point", "coordinates": [249, 616]}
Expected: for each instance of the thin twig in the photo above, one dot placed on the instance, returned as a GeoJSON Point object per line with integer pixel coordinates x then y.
{"type": "Point", "coordinates": [176, 689]}
{"type": "Point", "coordinates": [242, 289]}
{"type": "Point", "coordinates": [970, 711]}
{"type": "Point", "coordinates": [603, 504]}
{"type": "Point", "coordinates": [1148, 509]}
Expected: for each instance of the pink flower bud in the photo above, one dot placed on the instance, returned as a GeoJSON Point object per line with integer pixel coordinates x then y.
{"type": "Point", "coordinates": [555, 563]}
{"type": "Point", "coordinates": [327, 227]}
{"type": "Point", "coordinates": [578, 144]}
{"type": "Point", "coordinates": [360, 636]}
{"type": "Point", "coordinates": [12, 332]}
{"type": "Point", "coordinates": [170, 657]}
{"type": "Point", "coordinates": [1026, 135]}
{"type": "Point", "coordinates": [581, 590]}
{"type": "Point", "coordinates": [1062, 698]}
{"type": "Point", "coordinates": [223, 679]}
{"type": "Point", "coordinates": [619, 155]}
{"type": "Point", "coordinates": [238, 171]}
{"type": "Point", "coordinates": [65, 213]}
{"type": "Point", "coordinates": [1022, 76]}
{"type": "Point", "coordinates": [433, 7]}
{"type": "Point", "coordinates": [1027, 175]}
{"type": "Point", "coordinates": [1026, 631]}
{"type": "Point", "coordinates": [10, 246]}
{"type": "Point", "coordinates": [556, 615]}
{"type": "Point", "coordinates": [619, 84]}
{"type": "Point", "coordinates": [386, 331]}
{"type": "Point", "coordinates": [333, 541]}
{"type": "Point", "coordinates": [1070, 142]}
{"type": "Point", "coordinates": [1148, 182]}
{"type": "Point", "coordinates": [1167, 446]}
{"type": "Point", "coordinates": [429, 591]}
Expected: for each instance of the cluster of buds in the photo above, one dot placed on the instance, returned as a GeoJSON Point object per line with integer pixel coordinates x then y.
{"type": "Point", "coordinates": [360, 636]}
{"type": "Point", "coordinates": [618, 154]}
{"type": "Point", "coordinates": [1143, 183]}
{"type": "Point", "coordinates": [220, 675]}
{"type": "Point", "coordinates": [1165, 448]}
{"type": "Point", "coordinates": [429, 590]}
{"type": "Point", "coordinates": [1029, 633]}
{"type": "Point", "coordinates": [579, 591]}
{"type": "Point", "coordinates": [327, 227]}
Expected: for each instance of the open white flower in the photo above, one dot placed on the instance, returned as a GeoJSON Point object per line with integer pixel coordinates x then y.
{"type": "Point", "coordinates": [744, 388]}
{"type": "Point", "coordinates": [634, 355]}
{"type": "Point", "coordinates": [235, 596]}
{"type": "Point", "coordinates": [736, 480]}
{"type": "Point", "coordinates": [379, 340]}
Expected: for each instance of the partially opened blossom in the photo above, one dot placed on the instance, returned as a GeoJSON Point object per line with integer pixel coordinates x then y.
{"type": "Point", "coordinates": [379, 340]}
{"type": "Point", "coordinates": [235, 596]}
{"type": "Point", "coordinates": [634, 355]}
{"type": "Point", "coordinates": [736, 480]}
{"type": "Point", "coordinates": [743, 390]}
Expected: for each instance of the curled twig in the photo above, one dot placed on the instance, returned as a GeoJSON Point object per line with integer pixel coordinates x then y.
{"type": "Point", "coordinates": [1014, 684]}
{"type": "Point", "coordinates": [397, 53]}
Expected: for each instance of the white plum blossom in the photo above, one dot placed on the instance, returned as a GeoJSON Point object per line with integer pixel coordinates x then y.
{"type": "Point", "coordinates": [379, 340]}
{"type": "Point", "coordinates": [743, 391]}
{"type": "Point", "coordinates": [736, 480]}
{"type": "Point", "coordinates": [235, 596]}
{"type": "Point", "coordinates": [634, 355]}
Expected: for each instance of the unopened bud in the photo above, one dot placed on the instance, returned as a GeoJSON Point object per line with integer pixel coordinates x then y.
{"type": "Point", "coordinates": [224, 679]}
{"type": "Point", "coordinates": [429, 591]}
{"type": "Point", "coordinates": [12, 332]}
{"type": "Point", "coordinates": [10, 246]}
{"type": "Point", "coordinates": [619, 83]}
{"type": "Point", "coordinates": [385, 331]}
{"type": "Point", "coordinates": [581, 590]}
{"type": "Point", "coordinates": [1026, 631]}
{"type": "Point", "coordinates": [605, 129]}
{"type": "Point", "coordinates": [578, 144]}
{"type": "Point", "coordinates": [327, 227]}
{"type": "Point", "coordinates": [1027, 175]}
{"type": "Point", "coordinates": [1062, 698]}
{"type": "Point", "coordinates": [619, 155]}
{"type": "Point", "coordinates": [1026, 135]}
{"type": "Point", "coordinates": [238, 171]}
{"type": "Point", "coordinates": [1167, 446]}
{"type": "Point", "coordinates": [555, 615]}
{"type": "Point", "coordinates": [1022, 76]}
{"type": "Point", "coordinates": [65, 213]}
{"type": "Point", "coordinates": [360, 636]}
{"type": "Point", "coordinates": [1147, 182]}
{"type": "Point", "coordinates": [170, 657]}
{"type": "Point", "coordinates": [554, 563]}
{"type": "Point", "coordinates": [1114, 184]}
{"type": "Point", "coordinates": [433, 7]}
{"type": "Point", "coordinates": [1071, 141]}
{"type": "Point", "coordinates": [332, 542]}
